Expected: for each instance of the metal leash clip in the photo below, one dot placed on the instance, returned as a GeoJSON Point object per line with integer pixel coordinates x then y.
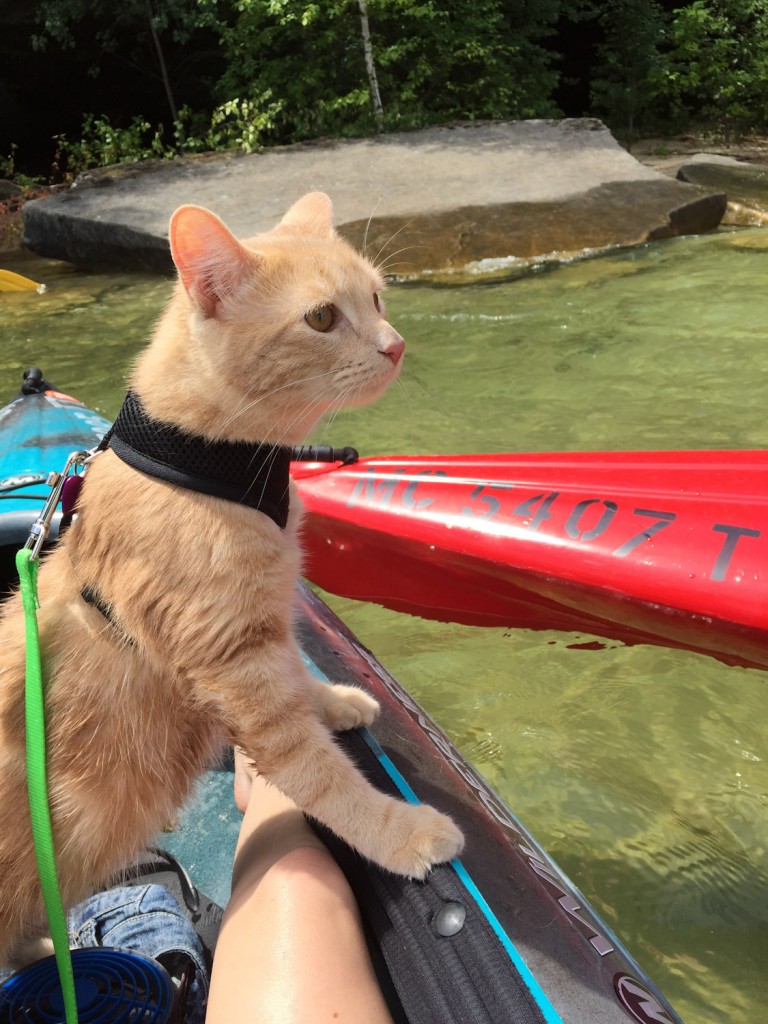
{"type": "Point", "coordinates": [41, 527]}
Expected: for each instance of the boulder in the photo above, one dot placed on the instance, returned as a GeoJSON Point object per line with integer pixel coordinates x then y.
{"type": "Point", "coordinates": [744, 184]}
{"type": "Point", "coordinates": [432, 199]}
{"type": "Point", "coordinates": [9, 190]}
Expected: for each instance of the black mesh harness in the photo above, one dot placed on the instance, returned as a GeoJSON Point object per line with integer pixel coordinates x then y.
{"type": "Point", "coordinates": [252, 474]}
{"type": "Point", "coordinates": [248, 473]}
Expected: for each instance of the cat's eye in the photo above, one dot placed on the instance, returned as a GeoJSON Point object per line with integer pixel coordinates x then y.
{"type": "Point", "coordinates": [322, 318]}
{"type": "Point", "coordinates": [376, 302]}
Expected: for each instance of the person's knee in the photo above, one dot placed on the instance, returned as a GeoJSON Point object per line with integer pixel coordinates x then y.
{"type": "Point", "coordinates": [311, 873]}
{"type": "Point", "coordinates": [308, 865]}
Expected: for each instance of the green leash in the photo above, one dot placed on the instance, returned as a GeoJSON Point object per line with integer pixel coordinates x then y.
{"type": "Point", "coordinates": [37, 784]}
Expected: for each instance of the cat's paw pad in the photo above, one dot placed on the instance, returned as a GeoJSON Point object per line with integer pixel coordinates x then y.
{"type": "Point", "coordinates": [432, 838]}
{"type": "Point", "coordinates": [347, 707]}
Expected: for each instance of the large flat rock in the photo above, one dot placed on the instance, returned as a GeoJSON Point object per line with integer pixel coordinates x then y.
{"type": "Point", "coordinates": [436, 198]}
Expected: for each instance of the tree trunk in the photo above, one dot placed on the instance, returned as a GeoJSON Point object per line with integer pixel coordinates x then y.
{"type": "Point", "coordinates": [378, 109]}
{"type": "Point", "coordinates": [161, 62]}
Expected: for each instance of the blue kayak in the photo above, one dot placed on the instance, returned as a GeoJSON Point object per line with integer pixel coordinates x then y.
{"type": "Point", "coordinates": [39, 430]}
{"type": "Point", "coordinates": [501, 935]}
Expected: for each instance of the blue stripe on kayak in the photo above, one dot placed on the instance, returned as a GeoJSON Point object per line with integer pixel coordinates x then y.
{"type": "Point", "coordinates": [548, 1011]}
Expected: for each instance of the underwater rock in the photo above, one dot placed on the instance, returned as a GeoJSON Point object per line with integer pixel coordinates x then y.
{"type": "Point", "coordinates": [431, 199]}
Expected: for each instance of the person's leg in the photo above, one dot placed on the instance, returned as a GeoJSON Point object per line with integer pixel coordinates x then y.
{"type": "Point", "coordinates": [291, 948]}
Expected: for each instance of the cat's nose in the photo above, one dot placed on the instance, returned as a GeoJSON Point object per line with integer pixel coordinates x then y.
{"type": "Point", "coordinates": [393, 348]}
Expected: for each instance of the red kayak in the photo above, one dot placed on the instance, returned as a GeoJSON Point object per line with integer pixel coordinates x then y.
{"type": "Point", "coordinates": [669, 548]}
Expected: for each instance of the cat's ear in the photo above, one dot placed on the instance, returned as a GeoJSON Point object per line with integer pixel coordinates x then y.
{"type": "Point", "coordinates": [313, 213]}
{"type": "Point", "coordinates": [212, 264]}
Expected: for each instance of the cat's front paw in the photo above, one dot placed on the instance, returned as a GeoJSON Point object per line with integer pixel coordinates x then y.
{"type": "Point", "coordinates": [428, 838]}
{"type": "Point", "coordinates": [347, 707]}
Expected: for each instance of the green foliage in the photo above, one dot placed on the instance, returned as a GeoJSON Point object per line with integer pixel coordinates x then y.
{"type": "Point", "coordinates": [116, 26]}
{"type": "Point", "coordinates": [310, 59]}
{"type": "Point", "coordinates": [236, 124]}
{"type": "Point", "coordinates": [137, 31]}
{"type": "Point", "coordinates": [718, 64]}
{"type": "Point", "coordinates": [435, 61]}
{"type": "Point", "coordinates": [9, 171]}
{"type": "Point", "coordinates": [101, 144]}
{"type": "Point", "coordinates": [8, 163]}
{"type": "Point", "coordinates": [704, 63]}
{"type": "Point", "coordinates": [285, 70]}
{"type": "Point", "coordinates": [243, 124]}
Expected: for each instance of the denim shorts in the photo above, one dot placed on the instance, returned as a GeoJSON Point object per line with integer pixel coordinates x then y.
{"type": "Point", "coordinates": [144, 919]}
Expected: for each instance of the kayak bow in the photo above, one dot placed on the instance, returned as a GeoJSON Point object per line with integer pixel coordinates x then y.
{"type": "Point", "coordinates": [12, 282]}
{"type": "Point", "coordinates": [666, 548]}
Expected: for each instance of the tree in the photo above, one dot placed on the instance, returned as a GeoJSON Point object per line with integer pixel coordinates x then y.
{"type": "Point", "coordinates": [630, 63]}
{"type": "Point", "coordinates": [137, 32]}
{"type": "Point", "coordinates": [370, 66]}
{"type": "Point", "coordinates": [346, 67]}
{"type": "Point", "coordinates": [718, 64]}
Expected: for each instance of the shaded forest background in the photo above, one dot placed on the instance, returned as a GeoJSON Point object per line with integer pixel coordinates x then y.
{"type": "Point", "coordinates": [85, 83]}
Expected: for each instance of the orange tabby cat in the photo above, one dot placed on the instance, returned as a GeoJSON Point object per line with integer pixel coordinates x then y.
{"type": "Point", "coordinates": [260, 339]}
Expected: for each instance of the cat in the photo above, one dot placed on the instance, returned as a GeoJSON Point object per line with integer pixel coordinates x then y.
{"type": "Point", "coordinates": [260, 339]}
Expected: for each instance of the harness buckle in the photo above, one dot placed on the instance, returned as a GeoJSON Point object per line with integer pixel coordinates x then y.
{"type": "Point", "coordinates": [41, 527]}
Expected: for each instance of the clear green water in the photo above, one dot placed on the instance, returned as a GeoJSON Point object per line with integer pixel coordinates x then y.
{"type": "Point", "coordinates": [642, 771]}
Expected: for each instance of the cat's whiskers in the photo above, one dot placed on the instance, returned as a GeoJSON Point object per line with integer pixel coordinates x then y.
{"type": "Point", "coordinates": [298, 416]}
{"type": "Point", "coordinates": [301, 415]}
{"type": "Point", "coordinates": [404, 391]}
{"type": "Point", "coordinates": [375, 260]}
{"type": "Point", "coordinates": [340, 404]}
{"type": "Point", "coordinates": [274, 444]}
{"type": "Point", "coordinates": [262, 398]}
{"type": "Point", "coordinates": [412, 379]}
{"type": "Point", "coordinates": [387, 265]}
{"type": "Point", "coordinates": [328, 424]}
{"type": "Point", "coordinates": [368, 224]}
{"type": "Point", "coordinates": [336, 405]}
{"type": "Point", "coordinates": [326, 400]}
{"type": "Point", "coordinates": [273, 453]}
{"type": "Point", "coordinates": [244, 397]}
{"type": "Point", "coordinates": [271, 460]}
